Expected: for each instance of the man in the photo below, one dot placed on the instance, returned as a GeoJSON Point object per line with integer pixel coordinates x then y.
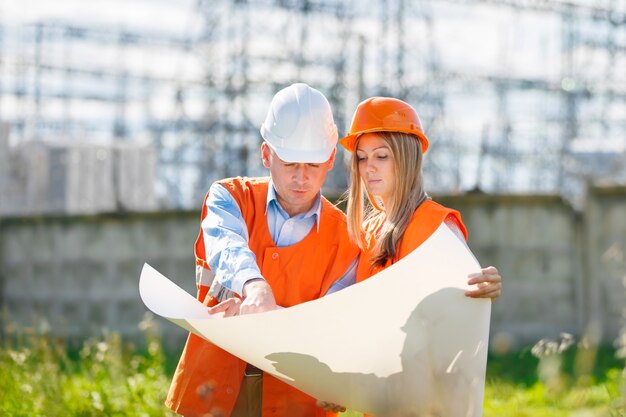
{"type": "Point", "coordinates": [266, 242]}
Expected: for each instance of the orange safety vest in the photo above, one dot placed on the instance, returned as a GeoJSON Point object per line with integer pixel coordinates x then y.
{"type": "Point", "coordinates": [426, 219]}
{"type": "Point", "coordinates": [207, 379]}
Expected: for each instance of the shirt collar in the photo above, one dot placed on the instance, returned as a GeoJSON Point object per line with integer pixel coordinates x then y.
{"type": "Point", "coordinates": [315, 210]}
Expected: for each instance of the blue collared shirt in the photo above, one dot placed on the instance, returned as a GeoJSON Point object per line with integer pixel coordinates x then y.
{"type": "Point", "coordinates": [226, 237]}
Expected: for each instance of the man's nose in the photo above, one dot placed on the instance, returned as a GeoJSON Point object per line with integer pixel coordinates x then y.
{"type": "Point", "coordinates": [301, 173]}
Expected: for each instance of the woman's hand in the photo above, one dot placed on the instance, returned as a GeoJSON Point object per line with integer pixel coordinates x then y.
{"type": "Point", "coordinates": [488, 281]}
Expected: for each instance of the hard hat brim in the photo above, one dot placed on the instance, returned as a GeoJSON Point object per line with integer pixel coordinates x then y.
{"type": "Point", "coordinates": [302, 156]}
{"type": "Point", "coordinates": [349, 141]}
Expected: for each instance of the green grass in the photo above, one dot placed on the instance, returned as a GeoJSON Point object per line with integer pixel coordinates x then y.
{"type": "Point", "coordinates": [578, 382]}
{"type": "Point", "coordinates": [43, 376]}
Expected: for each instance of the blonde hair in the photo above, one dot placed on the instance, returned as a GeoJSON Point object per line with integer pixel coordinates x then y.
{"type": "Point", "coordinates": [409, 193]}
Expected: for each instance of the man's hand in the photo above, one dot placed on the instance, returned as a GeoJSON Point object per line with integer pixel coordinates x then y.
{"type": "Point", "coordinates": [488, 281]}
{"type": "Point", "coordinates": [229, 307]}
{"type": "Point", "coordinates": [257, 297]}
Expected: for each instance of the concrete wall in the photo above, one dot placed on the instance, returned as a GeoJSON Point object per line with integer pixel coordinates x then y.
{"type": "Point", "coordinates": [76, 178]}
{"type": "Point", "coordinates": [532, 240]}
{"type": "Point", "coordinates": [563, 270]}
{"type": "Point", "coordinates": [604, 241]}
{"type": "Point", "coordinates": [80, 274]}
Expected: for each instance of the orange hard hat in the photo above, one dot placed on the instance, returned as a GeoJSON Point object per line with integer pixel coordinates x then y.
{"type": "Point", "coordinates": [384, 114]}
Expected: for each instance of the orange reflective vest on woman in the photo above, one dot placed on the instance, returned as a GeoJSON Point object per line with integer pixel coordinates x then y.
{"type": "Point", "coordinates": [207, 379]}
{"type": "Point", "coordinates": [426, 219]}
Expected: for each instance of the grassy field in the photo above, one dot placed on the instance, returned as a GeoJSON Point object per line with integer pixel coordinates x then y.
{"type": "Point", "coordinates": [42, 376]}
{"type": "Point", "coordinates": [579, 382]}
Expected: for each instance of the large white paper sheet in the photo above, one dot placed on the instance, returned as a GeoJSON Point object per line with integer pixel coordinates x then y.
{"type": "Point", "coordinates": [406, 342]}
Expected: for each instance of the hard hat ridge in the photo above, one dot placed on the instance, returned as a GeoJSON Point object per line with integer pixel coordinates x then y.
{"type": "Point", "coordinates": [299, 125]}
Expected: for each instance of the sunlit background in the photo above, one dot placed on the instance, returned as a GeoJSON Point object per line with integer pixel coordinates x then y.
{"type": "Point", "coordinates": [140, 105]}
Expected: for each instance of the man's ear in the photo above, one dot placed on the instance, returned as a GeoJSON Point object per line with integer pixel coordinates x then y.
{"type": "Point", "coordinates": [331, 160]}
{"type": "Point", "coordinates": [265, 154]}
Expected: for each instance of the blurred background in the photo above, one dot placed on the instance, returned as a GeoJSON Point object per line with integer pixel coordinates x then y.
{"type": "Point", "coordinates": [116, 116]}
{"type": "Point", "coordinates": [139, 105]}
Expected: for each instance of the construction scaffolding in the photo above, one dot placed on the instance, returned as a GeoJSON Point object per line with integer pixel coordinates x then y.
{"type": "Point", "coordinates": [515, 95]}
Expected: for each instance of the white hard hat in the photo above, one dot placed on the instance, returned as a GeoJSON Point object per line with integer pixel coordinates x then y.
{"type": "Point", "coordinates": [299, 125]}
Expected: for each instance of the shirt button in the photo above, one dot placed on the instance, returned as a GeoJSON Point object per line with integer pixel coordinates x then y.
{"type": "Point", "coordinates": [274, 256]}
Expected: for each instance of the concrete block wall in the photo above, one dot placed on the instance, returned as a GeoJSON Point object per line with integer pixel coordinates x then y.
{"type": "Point", "coordinates": [48, 178]}
{"type": "Point", "coordinates": [532, 240]}
{"type": "Point", "coordinates": [81, 274]}
{"type": "Point", "coordinates": [605, 268]}
{"type": "Point", "coordinates": [563, 270]}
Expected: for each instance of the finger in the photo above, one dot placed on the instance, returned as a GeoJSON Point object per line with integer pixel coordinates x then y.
{"type": "Point", "coordinates": [229, 307]}
{"type": "Point", "coordinates": [489, 288]}
{"type": "Point", "coordinates": [492, 295]}
{"type": "Point", "coordinates": [490, 270]}
{"type": "Point", "coordinates": [488, 294]}
{"type": "Point", "coordinates": [492, 274]}
{"type": "Point", "coordinates": [484, 290]}
{"type": "Point", "coordinates": [322, 404]}
{"type": "Point", "coordinates": [232, 311]}
{"type": "Point", "coordinates": [484, 278]}
{"type": "Point", "coordinates": [223, 306]}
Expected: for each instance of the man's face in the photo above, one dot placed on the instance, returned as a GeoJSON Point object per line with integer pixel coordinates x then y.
{"type": "Point", "coordinates": [297, 184]}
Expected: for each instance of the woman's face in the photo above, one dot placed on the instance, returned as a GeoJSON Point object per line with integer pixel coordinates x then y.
{"type": "Point", "coordinates": [376, 166]}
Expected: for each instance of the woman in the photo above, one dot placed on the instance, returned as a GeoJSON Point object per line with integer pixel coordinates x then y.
{"type": "Point", "coordinates": [387, 142]}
